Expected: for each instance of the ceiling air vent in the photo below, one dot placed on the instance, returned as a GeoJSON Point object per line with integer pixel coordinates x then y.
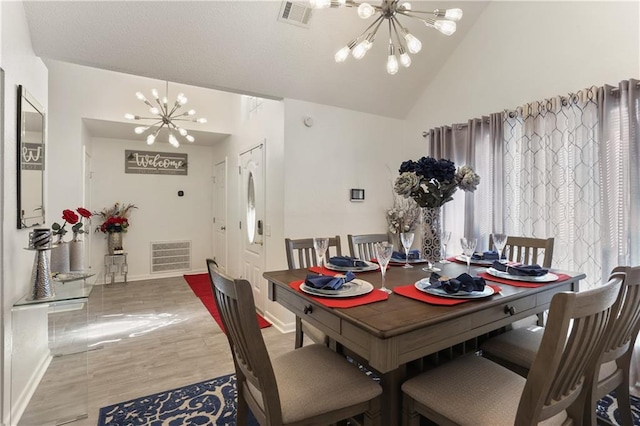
{"type": "Point", "coordinates": [295, 13]}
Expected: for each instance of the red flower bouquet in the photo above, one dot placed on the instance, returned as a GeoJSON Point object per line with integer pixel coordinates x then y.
{"type": "Point", "coordinates": [70, 217]}
{"type": "Point", "coordinates": [114, 218]}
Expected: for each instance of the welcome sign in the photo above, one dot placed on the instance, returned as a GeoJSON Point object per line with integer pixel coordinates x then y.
{"type": "Point", "coordinates": [157, 163]}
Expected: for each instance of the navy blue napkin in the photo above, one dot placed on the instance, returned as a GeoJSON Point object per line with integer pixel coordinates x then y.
{"type": "Point", "coordinates": [520, 270]}
{"type": "Point", "coordinates": [463, 282]}
{"type": "Point", "coordinates": [328, 282]}
{"type": "Point", "coordinates": [487, 255]}
{"type": "Point", "coordinates": [413, 254]}
{"type": "Point", "coordinates": [347, 262]}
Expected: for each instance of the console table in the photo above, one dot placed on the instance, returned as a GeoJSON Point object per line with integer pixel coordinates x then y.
{"type": "Point", "coordinates": [49, 355]}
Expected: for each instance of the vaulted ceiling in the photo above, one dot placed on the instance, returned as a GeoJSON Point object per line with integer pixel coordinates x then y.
{"type": "Point", "coordinates": [242, 47]}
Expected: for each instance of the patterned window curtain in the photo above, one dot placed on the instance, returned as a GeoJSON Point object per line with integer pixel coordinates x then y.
{"type": "Point", "coordinates": [620, 176]}
{"type": "Point", "coordinates": [551, 181]}
{"type": "Point", "coordinates": [478, 143]}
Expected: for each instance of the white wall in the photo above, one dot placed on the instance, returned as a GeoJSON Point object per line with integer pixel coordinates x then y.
{"type": "Point", "coordinates": [519, 52]}
{"type": "Point", "coordinates": [161, 214]}
{"type": "Point", "coordinates": [21, 66]}
{"type": "Point", "coordinates": [342, 150]}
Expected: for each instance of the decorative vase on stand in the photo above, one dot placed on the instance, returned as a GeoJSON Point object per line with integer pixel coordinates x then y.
{"type": "Point", "coordinates": [431, 233]}
{"type": "Point", "coordinates": [114, 243]}
{"type": "Point", "coordinates": [60, 257]}
{"type": "Point", "coordinates": [76, 253]}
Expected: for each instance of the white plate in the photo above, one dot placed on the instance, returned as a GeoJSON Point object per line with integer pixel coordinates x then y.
{"type": "Point", "coordinates": [547, 278]}
{"type": "Point", "coordinates": [402, 261]}
{"type": "Point", "coordinates": [354, 287]}
{"type": "Point", "coordinates": [371, 266]}
{"type": "Point", "coordinates": [425, 286]}
{"type": "Point", "coordinates": [463, 258]}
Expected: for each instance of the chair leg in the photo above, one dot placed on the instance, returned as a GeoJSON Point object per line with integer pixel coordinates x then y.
{"type": "Point", "coordinates": [241, 412]}
{"type": "Point", "coordinates": [372, 416]}
{"type": "Point", "coordinates": [410, 416]}
{"type": "Point", "coordinates": [299, 334]}
{"type": "Point", "coordinates": [622, 391]}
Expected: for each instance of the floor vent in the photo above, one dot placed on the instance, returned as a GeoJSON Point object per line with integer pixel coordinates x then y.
{"type": "Point", "coordinates": [170, 256]}
{"type": "Point", "coordinates": [295, 13]}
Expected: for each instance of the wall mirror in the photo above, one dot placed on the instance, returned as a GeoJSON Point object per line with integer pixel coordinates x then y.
{"type": "Point", "coordinates": [30, 166]}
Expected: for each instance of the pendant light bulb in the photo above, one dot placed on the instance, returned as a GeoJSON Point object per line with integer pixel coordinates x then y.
{"type": "Point", "coordinates": [154, 111]}
{"type": "Point", "coordinates": [413, 44]}
{"type": "Point", "coordinates": [129, 116]}
{"type": "Point", "coordinates": [445, 27]}
{"type": "Point", "coordinates": [406, 6]}
{"type": "Point", "coordinates": [182, 99]}
{"type": "Point", "coordinates": [140, 130]}
{"type": "Point", "coordinates": [453, 14]}
{"type": "Point", "coordinates": [405, 59]}
{"type": "Point", "coordinates": [151, 139]}
{"type": "Point", "coordinates": [201, 120]}
{"type": "Point", "coordinates": [182, 131]}
{"type": "Point", "coordinates": [190, 138]}
{"type": "Point", "coordinates": [140, 96]}
{"type": "Point", "coordinates": [173, 141]}
{"type": "Point", "coordinates": [392, 64]}
{"type": "Point", "coordinates": [154, 92]}
{"type": "Point", "coordinates": [365, 10]}
{"type": "Point", "coordinates": [192, 112]}
{"type": "Point", "coordinates": [320, 4]}
{"type": "Point", "coordinates": [342, 54]}
{"type": "Point", "coordinates": [361, 49]}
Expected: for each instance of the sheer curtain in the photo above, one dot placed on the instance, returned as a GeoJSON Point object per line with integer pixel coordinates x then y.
{"type": "Point", "coordinates": [551, 181]}
{"type": "Point", "coordinates": [620, 175]}
{"type": "Point", "coordinates": [478, 143]}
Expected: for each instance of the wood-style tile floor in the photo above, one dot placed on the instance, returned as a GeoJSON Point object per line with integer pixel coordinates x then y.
{"type": "Point", "coordinates": [146, 337]}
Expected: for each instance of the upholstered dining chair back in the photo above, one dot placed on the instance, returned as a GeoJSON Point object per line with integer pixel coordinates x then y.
{"type": "Point", "coordinates": [301, 254]}
{"type": "Point", "coordinates": [254, 373]}
{"type": "Point", "coordinates": [363, 246]}
{"type": "Point", "coordinates": [312, 385]}
{"type": "Point", "coordinates": [558, 372]}
{"type": "Point", "coordinates": [302, 251]}
{"type": "Point", "coordinates": [552, 391]}
{"type": "Point", "coordinates": [528, 250]}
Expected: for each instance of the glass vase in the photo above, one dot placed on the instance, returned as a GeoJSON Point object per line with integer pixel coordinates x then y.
{"type": "Point", "coordinates": [431, 233]}
{"type": "Point", "coordinates": [114, 243]}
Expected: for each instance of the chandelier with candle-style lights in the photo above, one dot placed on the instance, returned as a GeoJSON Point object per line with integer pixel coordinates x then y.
{"type": "Point", "coordinates": [400, 40]}
{"type": "Point", "coordinates": [165, 116]}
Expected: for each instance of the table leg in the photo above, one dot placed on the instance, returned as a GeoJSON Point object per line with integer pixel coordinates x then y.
{"type": "Point", "coordinates": [391, 407]}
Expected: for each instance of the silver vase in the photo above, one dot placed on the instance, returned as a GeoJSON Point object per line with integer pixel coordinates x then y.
{"type": "Point", "coordinates": [41, 282]}
{"type": "Point", "coordinates": [431, 233]}
{"type": "Point", "coordinates": [114, 243]}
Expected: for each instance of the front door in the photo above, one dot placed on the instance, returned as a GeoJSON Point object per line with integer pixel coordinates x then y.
{"type": "Point", "coordinates": [252, 196]}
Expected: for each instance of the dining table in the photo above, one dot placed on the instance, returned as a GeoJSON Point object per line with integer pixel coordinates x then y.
{"type": "Point", "coordinates": [391, 333]}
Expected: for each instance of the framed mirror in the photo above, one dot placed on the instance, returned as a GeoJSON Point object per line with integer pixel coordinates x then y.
{"type": "Point", "coordinates": [30, 165]}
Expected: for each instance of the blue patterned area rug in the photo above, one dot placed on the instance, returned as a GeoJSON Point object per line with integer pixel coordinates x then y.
{"type": "Point", "coordinates": [608, 410]}
{"type": "Point", "coordinates": [212, 402]}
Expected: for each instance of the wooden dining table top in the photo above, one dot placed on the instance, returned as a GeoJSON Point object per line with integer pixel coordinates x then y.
{"type": "Point", "coordinates": [399, 315]}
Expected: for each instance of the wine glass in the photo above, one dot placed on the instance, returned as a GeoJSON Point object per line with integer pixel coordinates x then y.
{"type": "Point", "coordinates": [499, 241]}
{"type": "Point", "coordinates": [407, 240]}
{"type": "Point", "coordinates": [384, 250]}
{"type": "Point", "coordinates": [468, 248]}
{"type": "Point", "coordinates": [445, 237]}
{"type": "Point", "coordinates": [320, 245]}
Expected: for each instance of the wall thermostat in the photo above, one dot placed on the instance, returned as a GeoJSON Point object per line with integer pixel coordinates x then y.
{"type": "Point", "coordinates": [357, 194]}
{"type": "Point", "coordinates": [180, 193]}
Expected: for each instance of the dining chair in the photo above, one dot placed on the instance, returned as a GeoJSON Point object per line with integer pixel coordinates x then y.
{"type": "Point", "coordinates": [516, 350]}
{"type": "Point", "coordinates": [302, 250]}
{"type": "Point", "coordinates": [528, 250]}
{"type": "Point", "coordinates": [311, 385]}
{"type": "Point", "coordinates": [475, 390]}
{"type": "Point", "coordinates": [363, 246]}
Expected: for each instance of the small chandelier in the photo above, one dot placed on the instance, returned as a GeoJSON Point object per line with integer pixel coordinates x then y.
{"type": "Point", "coordinates": [405, 42]}
{"type": "Point", "coordinates": [165, 116]}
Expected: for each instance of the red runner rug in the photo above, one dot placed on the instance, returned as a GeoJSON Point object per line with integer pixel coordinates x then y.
{"type": "Point", "coordinates": [201, 287]}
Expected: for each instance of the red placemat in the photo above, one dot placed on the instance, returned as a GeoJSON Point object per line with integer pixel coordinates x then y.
{"type": "Point", "coordinates": [527, 284]}
{"type": "Point", "coordinates": [412, 292]}
{"type": "Point", "coordinates": [346, 302]}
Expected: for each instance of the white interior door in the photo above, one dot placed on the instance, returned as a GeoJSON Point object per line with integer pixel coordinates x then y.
{"type": "Point", "coordinates": [220, 214]}
{"type": "Point", "coordinates": [252, 203]}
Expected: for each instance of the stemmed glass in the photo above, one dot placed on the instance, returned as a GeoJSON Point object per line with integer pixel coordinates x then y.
{"type": "Point", "coordinates": [468, 248]}
{"type": "Point", "coordinates": [384, 250]}
{"type": "Point", "coordinates": [499, 241]}
{"type": "Point", "coordinates": [320, 245]}
{"type": "Point", "coordinates": [407, 239]}
{"type": "Point", "coordinates": [444, 238]}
